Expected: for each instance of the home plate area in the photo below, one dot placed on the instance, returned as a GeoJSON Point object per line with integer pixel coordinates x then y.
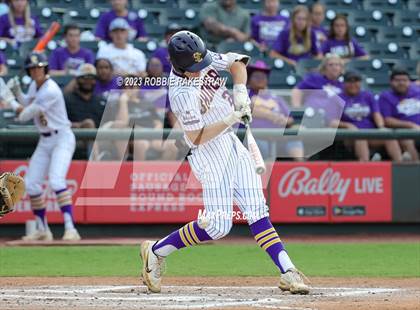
{"type": "Point", "coordinates": [178, 297]}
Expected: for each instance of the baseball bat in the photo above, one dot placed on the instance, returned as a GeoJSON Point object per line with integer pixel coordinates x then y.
{"type": "Point", "coordinates": [254, 150]}
{"type": "Point", "coordinates": [47, 37]}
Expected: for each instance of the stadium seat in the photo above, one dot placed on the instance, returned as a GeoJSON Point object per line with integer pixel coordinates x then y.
{"type": "Point", "coordinates": [364, 34]}
{"type": "Point", "coordinates": [192, 4]}
{"type": "Point", "coordinates": [386, 6]}
{"type": "Point", "coordinates": [98, 4]}
{"type": "Point", "coordinates": [156, 32]}
{"type": "Point", "coordinates": [409, 64]}
{"type": "Point", "coordinates": [46, 16]}
{"type": "Point", "coordinates": [84, 18]}
{"type": "Point", "coordinates": [92, 45]}
{"type": "Point", "coordinates": [378, 83]}
{"type": "Point", "coordinates": [371, 67]}
{"type": "Point", "coordinates": [188, 18]}
{"type": "Point", "coordinates": [279, 80]}
{"type": "Point", "coordinates": [7, 49]}
{"type": "Point", "coordinates": [415, 51]}
{"type": "Point", "coordinates": [146, 47]}
{"type": "Point", "coordinates": [307, 65]}
{"type": "Point", "coordinates": [238, 47]}
{"type": "Point", "coordinates": [390, 50]}
{"type": "Point", "coordinates": [61, 6]}
{"type": "Point", "coordinates": [334, 7]}
{"type": "Point", "coordinates": [413, 5]}
{"type": "Point", "coordinates": [62, 80]}
{"type": "Point", "coordinates": [373, 18]}
{"type": "Point", "coordinates": [404, 34]}
{"type": "Point", "coordinates": [250, 4]}
{"type": "Point", "coordinates": [407, 18]}
{"type": "Point", "coordinates": [153, 4]}
{"type": "Point", "coordinates": [148, 16]}
{"type": "Point", "coordinates": [290, 4]}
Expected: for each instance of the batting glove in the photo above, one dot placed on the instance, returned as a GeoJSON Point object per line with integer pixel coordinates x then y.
{"type": "Point", "coordinates": [240, 96]}
{"type": "Point", "coordinates": [238, 117]}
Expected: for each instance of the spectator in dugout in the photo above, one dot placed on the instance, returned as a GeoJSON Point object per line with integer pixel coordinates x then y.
{"type": "Point", "coordinates": [162, 51]}
{"type": "Point", "coordinates": [119, 10]}
{"type": "Point", "coordinates": [266, 26]}
{"type": "Point", "coordinates": [3, 64]}
{"type": "Point", "coordinates": [18, 25]}
{"type": "Point", "coordinates": [84, 108]}
{"type": "Point", "coordinates": [135, 111]}
{"type": "Point", "coordinates": [270, 111]}
{"type": "Point", "coordinates": [125, 59]}
{"type": "Point", "coordinates": [298, 41]}
{"type": "Point", "coordinates": [400, 107]}
{"type": "Point", "coordinates": [326, 79]}
{"type": "Point", "coordinates": [317, 11]}
{"type": "Point", "coordinates": [340, 41]}
{"type": "Point", "coordinates": [224, 20]}
{"type": "Point", "coordinates": [361, 111]}
{"type": "Point", "coordinates": [67, 60]}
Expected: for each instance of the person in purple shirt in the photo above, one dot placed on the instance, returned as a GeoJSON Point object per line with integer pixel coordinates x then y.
{"type": "Point", "coordinates": [400, 107]}
{"type": "Point", "coordinates": [162, 51]}
{"type": "Point", "coordinates": [3, 64]}
{"type": "Point", "coordinates": [340, 42]}
{"type": "Point", "coordinates": [361, 111]}
{"type": "Point", "coordinates": [265, 27]}
{"type": "Point", "coordinates": [318, 93]}
{"type": "Point", "coordinates": [119, 9]}
{"type": "Point", "coordinates": [298, 41]}
{"type": "Point", "coordinates": [19, 25]}
{"type": "Point", "coordinates": [67, 60]}
{"type": "Point", "coordinates": [270, 111]}
{"type": "Point", "coordinates": [317, 11]}
{"type": "Point", "coordinates": [105, 79]}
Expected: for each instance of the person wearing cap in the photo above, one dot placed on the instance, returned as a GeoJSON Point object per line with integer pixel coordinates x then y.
{"type": "Point", "coordinates": [270, 111]}
{"type": "Point", "coordinates": [361, 111]}
{"type": "Point", "coordinates": [400, 107]}
{"type": "Point", "coordinates": [162, 51]}
{"type": "Point", "coordinates": [66, 60]}
{"type": "Point", "coordinates": [119, 9]}
{"type": "Point", "coordinates": [125, 59]}
{"type": "Point", "coordinates": [84, 108]}
{"type": "Point", "coordinates": [223, 20]}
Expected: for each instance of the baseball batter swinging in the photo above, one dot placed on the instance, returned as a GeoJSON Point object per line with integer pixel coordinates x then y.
{"type": "Point", "coordinates": [218, 159]}
{"type": "Point", "coordinates": [44, 103]}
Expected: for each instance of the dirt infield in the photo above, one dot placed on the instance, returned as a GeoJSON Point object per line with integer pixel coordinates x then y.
{"type": "Point", "coordinates": [206, 293]}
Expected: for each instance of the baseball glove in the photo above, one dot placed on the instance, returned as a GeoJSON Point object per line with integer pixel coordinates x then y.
{"type": "Point", "coordinates": [12, 189]}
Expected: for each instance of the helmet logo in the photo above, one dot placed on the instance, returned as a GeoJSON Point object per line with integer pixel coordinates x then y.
{"type": "Point", "coordinates": [197, 57]}
{"type": "Point", "coordinates": [34, 59]}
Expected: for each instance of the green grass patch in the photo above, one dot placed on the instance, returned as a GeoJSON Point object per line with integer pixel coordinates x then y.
{"type": "Point", "coordinates": [318, 259]}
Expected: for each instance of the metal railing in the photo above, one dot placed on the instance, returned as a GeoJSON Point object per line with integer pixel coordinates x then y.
{"type": "Point", "coordinates": [25, 134]}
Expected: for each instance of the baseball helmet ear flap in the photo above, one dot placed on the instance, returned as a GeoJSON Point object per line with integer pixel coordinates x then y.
{"type": "Point", "coordinates": [34, 60]}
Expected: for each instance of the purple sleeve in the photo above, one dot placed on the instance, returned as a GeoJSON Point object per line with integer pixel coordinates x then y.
{"type": "Point", "coordinates": [374, 105]}
{"type": "Point", "coordinates": [358, 49]}
{"type": "Point", "coordinates": [282, 42]}
{"type": "Point", "coordinates": [385, 105]}
{"type": "Point", "coordinates": [305, 83]}
{"type": "Point", "coordinates": [314, 47]}
{"type": "Point", "coordinates": [90, 57]}
{"type": "Point", "coordinates": [325, 47]}
{"type": "Point", "coordinates": [254, 28]}
{"type": "Point", "coordinates": [3, 26]}
{"type": "Point", "coordinates": [284, 109]}
{"type": "Point", "coordinates": [2, 59]}
{"type": "Point", "coordinates": [141, 31]}
{"type": "Point", "coordinates": [101, 27]}
{"type": "Point", "coordinates": [38, 30]}
{"type": "Point", "coordinates": [53, 61]}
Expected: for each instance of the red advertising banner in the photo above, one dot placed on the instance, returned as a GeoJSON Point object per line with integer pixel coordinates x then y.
{"type": "Point", "coordinates": [298, 192]}
{"type": "Point", "coordinates": [366, 193]}
{"type": "Point", "coordinates": [23, 208]}
{"type": "Point", "coordinates": [331, 192]}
